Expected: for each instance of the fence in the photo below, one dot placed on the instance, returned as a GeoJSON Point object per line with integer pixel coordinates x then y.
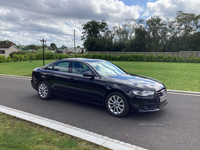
{"type": "Point", "coordinates": [184, 54]}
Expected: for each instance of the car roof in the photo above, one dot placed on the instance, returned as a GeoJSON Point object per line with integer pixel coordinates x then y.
{"type": "Point", "coordinates": [85, 59]}
{"type": "Point", "coordinates": [75, 59]}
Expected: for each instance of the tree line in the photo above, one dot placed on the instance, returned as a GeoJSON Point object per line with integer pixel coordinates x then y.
{"type": "Point", "coordinates": [52, 46]}
{"type": "Point", "coordinates": [151, 35]}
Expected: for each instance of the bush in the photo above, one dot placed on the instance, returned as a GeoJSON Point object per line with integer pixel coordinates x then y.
{"type": "Point", "coordinates": [76, 56]}
{"type": "Point", "coordinates": [127, 57]}
{"type": "Point", "coordinates": [169, 58]}
{"type": "Point", "coordinates": [25, 57]}
{"type": "Point", "coordinates": [2, 58]}
{"type": "Point", "coordinates": [133, 57]}
{"type": "Point", "coordinates": [109, 57]}
{"type": "Point", "coordinates": [114, 57]}
{"type": "Point", "coordinates": [31, 56]}
{"type": "Point", "coordinates": [48, 55]}
{"type": "Point", "coordinates": [181, 59]}
{"type": "Point", "coordinates": [121, 57]}
{"type": "Point", "coordinates": [21, 57]}
{"type": "Point", "coordinates": [39, 56]}
{"type": "Point", "coordinates": [197, 60]}
{"type": "Point", "coordinates": [139, 57]}
{"type": "Point", "coordinates": [15, 57]}
{"type": "Point", "coordinates": [105, 57]}
{"type": "Point", "coordinates": [8, 59]}
{"type": "Point", "coordinates": [161, 58]}
{"type": "Point", "coordinates": [18, 52]}
{"type": "Point", "coordinates": [192, 60]}
{"type": "Point", "coordinates": [150, 58]}
{"type": "Point", "coordinates": [175, 59]}
{"type": "Point", "coordinates": [60, 56]}
{"type": "Point", "coordinates": [187, 59]}
{"type": "Point", "coordinates": [94, 56]}
{"type": "Point", "coordinates": [86, 55]}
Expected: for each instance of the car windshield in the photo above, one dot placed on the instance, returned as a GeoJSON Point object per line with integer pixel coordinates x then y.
{"type": "Point", "coordinates": [105, 68]}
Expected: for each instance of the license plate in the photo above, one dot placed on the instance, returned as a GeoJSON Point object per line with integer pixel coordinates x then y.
{"type": "Point", "coordinates": [163, 98]}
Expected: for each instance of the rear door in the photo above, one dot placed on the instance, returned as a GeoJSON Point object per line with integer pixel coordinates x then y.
{"type": "Point", "coordinates": [60, 78]}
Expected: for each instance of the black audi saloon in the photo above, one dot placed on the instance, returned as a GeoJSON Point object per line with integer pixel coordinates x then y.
{"type": "Point", "coordinates": [101, 82]}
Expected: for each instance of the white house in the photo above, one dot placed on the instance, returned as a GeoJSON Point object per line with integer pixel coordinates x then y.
{"type": "Point", "coordinates": [7, 49]}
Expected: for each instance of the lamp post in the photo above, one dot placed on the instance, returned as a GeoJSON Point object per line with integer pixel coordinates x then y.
{"type": "Point", "coordinates": [43, 42]}
{"type": "Point", "coordinates": [74, 44]}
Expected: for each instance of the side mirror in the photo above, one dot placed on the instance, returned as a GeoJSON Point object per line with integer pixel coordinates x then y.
{"type": "Point", "coordinates": [88, 74]}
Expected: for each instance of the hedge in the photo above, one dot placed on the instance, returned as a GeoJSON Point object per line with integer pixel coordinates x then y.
{"type": "Point", "coordinates": [133, 57]}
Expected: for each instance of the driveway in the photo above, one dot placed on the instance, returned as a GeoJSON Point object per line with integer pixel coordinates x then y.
{"type": "Point", "coordinates": [177, 126]}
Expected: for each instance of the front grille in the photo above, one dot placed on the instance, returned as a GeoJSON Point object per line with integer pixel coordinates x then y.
{"type": "Point", "coordinates": [159, 94]}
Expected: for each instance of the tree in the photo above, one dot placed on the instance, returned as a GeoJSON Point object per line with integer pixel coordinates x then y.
{"type": "Point", "coordinates": [195, 41]}
{"type": "Point", "coordinates": [93, 31]}
{"type": "Point", "coordinates": [157, 29]}
{"type": "Point", "coordinates": [63, 47]}
{"type": "Point", "coordinates": [94, 28]}
{"type": "Point", "coordinates": [32, 46]}
{"type": "Point", "coordinates": [140, 42]}
{"type": "Point", "coordinates": [187, 24]}
{"type": "Point", "coordinates": [53, 46]}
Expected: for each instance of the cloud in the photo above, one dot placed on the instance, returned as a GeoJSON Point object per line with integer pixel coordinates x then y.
{"type": "Point", "coordinates": [27, 21]}
{"type": "Point", "coordinates": [168, 8]}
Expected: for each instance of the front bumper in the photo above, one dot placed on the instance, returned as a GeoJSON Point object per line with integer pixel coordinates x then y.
{"type": "Point", "coordinates": [152, 108]}
{"type": "Point", "coordinates": [150, 104]}
{"type": "Point", "coordinates": [33, 84]}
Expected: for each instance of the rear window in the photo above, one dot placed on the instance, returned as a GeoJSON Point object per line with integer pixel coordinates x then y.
{"type": "Point", "coordinates": [62, 66]}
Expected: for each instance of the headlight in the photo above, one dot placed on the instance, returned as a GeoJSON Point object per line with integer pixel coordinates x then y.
{"type": "Point", "coordinates": [143, 93]}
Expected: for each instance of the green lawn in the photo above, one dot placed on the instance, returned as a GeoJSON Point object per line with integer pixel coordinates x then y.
{"type": "Point", "coordinates": [22, 68]}
{"type": "Point", "coordinates": [17, 134]}
{"type": "Point", "coordinates": [176, 76]}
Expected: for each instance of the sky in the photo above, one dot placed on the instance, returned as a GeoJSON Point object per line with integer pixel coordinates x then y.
{"type": "Point", "coordinates": [28, 21]}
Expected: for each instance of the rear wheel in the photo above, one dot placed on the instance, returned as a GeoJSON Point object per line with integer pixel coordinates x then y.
{"type": "Point", "coordinates": [44, 91]}
{"type": "Point", "coordinates": [117, 104]}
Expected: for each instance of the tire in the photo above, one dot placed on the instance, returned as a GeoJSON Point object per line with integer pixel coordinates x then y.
{"type": "Point", "coordinates": [44, 91]}
{"type": "Point", "coordinates": [117, 104]}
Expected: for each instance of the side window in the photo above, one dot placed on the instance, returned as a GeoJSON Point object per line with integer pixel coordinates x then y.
{"type": "Point", "coordinates": [62, 66]}
{"type": "Point", "coordinates": [50, 67]}
{"type": "Point", "coordinates": [79, 68]}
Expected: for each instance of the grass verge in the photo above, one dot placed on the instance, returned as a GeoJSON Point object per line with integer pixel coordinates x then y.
{"type": "Point", "coordinates": [18, 134]}
{"type": "Point", "coordinates": [175, 76]}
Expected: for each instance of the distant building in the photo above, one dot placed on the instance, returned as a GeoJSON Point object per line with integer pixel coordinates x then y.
{"type": "Point", "coordinates": [77, 50]}
{"type": "Point", "coordinates": [7, 49]}
{"type": "Point", "coordinates": [62, 51]}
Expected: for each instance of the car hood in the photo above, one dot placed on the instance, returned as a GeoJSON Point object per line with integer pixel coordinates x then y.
{"type": "Point", "coordinates": [136, 81]}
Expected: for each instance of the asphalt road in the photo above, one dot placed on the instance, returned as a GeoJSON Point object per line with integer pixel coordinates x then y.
{"type": "Point", "coordinates": [176, 127]}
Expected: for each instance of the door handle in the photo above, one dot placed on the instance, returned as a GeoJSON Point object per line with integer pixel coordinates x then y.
{"type": "Point", "coordinates": [72, 78]}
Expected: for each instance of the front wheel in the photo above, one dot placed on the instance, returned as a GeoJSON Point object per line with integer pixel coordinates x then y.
{"type": "Point", "coordinates": [117, 104]}
{"type": "Point", "coordinates": [44, 91]}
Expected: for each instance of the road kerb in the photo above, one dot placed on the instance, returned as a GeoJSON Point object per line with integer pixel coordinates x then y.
{"type": "Point", "coordinates": [183, 92]}
{"type": "Point", "coordinates": [14, 76]}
